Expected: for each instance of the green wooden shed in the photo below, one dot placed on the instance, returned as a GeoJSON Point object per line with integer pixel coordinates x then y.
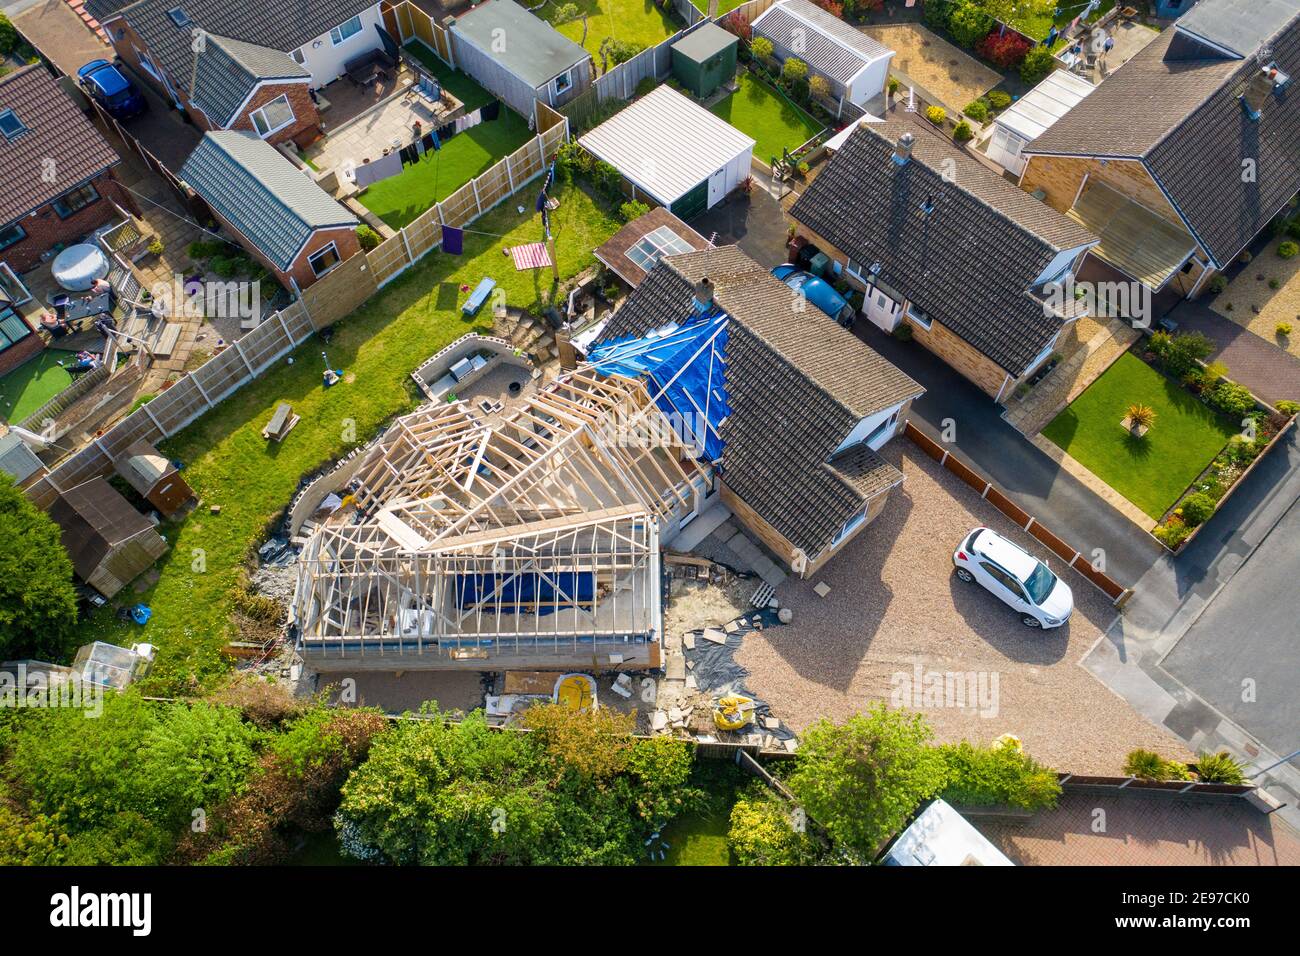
{"type": "Point", "coordinates": [704, 59]}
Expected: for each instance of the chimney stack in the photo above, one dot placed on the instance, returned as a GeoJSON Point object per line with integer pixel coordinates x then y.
{"type": "Point", "coordinates": [903, 149]}
{"type": "Point", "coordinates": [703, 295]}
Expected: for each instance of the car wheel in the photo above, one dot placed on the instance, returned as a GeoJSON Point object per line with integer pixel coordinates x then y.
{"type": "Point", "coordinates": [1028, 620]}
{"type": "Point", "coordinates": [965, 575]}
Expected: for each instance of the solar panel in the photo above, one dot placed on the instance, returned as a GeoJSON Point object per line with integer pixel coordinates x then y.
{"type": "Point", "coordinates": [662, 242]}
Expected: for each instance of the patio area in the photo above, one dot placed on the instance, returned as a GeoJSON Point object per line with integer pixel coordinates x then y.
{"type": "Point", "coordinates": [377, 124]}
{"type": "Point", "coordinates": [1264, 295]}
{"type": "Point", "coordinates": [940, 72]}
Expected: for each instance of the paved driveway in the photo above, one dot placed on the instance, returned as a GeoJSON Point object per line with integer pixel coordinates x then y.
{"type": "Point", "coordinates": [1031, 478]}
{"type": "Point", "coordinates": [755, 222]}
{"type": "Point", "coordinates": [894, 605]}
{"type": "Point", "coordinates": [1249, 634]}
{"type": "Point", "coordinates": [1270, 372]}
{"type": "Point", "coordinates": [1143, 829]}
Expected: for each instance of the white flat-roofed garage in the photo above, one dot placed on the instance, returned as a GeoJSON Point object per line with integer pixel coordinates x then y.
{"type": "Point", "coordinates": [673, 152]}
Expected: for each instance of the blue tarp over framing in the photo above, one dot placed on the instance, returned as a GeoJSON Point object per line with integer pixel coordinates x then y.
{"type": "Point", "coordinates": [549, 592]}
{"type": "Point", "coordinates": [684, 365]}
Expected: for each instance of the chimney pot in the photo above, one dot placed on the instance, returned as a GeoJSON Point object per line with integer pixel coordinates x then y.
{"type": "Point", "coordinates": [903, 148]}
{"type": "Point", "coordinates": [703, 294]}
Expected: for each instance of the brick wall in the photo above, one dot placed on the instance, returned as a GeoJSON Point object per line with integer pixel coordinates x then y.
{"type": "Point", "coordinates": [45, 229]}
{"type": "Point", "coordinates": [16, 355]}
{"type": "Point", "coordinates": [950, 347]}
{"type": "Point", "coordinates": [303, 130]}
{"type": "Point", "coordinates": [306, 126]}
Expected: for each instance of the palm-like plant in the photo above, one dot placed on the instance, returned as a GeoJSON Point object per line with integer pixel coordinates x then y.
{"type": "Point", "coordinates": [1219, 768]}
{"type": "Point", "coordinates": [1140, 416]}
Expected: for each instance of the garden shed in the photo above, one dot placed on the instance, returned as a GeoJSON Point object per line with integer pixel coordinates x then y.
{"type": "Point", "coordinates": [156, 478]}
{"type": "Point", "coordinates": [855, 65]}
{"type": "Point", "coordinates": [517, 56]}
{"type": "Point", "coordinates": [673, 152]}
{"type": "Point", "coordinates": [110, 543]}
{"type": "Point", "coordinates": [705, 59]}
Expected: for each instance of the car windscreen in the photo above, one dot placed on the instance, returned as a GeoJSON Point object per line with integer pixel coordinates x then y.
{"type": "Point", "coordinates": [1040, 583]}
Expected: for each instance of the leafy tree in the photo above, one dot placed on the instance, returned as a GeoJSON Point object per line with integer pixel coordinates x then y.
{"type": "Point", "coordinates": [762, 47]}
{"type": "Point", "coordinates": [862, 780]}
{"type": "Point", "coordinates": [762, 832]}
{"type": "Point", "coordinates": [819, 86]}
{"type": "Point", "coordinates": [969, 23]}
{"type": "Point", "coordinates": [8, 36]}
{"type": "Point", "coordinates": [38, 605]}
{"type": "Point", "coordinates": [592, 745]}
{"type": "Point", "coordinates": [794, 69]}
{"type": "Point", "coordinates": [937, 13]}
{"type": "Point", "coordinates": [1036, 65]}
{"type": "Point", "coordinates": [999, 775]}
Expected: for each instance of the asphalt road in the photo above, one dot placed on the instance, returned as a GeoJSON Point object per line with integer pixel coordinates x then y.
{"type": "Point", "coordinates": [1251, 632]}
{"type": "Point", "coordinates": [1032, 479]}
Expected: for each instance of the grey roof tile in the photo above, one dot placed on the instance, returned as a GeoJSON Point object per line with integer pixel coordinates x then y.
{"type": "Point", "coordinates": [226, 72]}
{"type": "Point", "coordinates": [970, 261]}
{"type": "Point", "coordinates": [797, 384]}
{"type": "Point", "coordinates": [263, 195]}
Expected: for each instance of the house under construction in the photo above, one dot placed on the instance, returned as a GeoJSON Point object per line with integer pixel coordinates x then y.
{"type": "Point", "coordinates": [526, 535]}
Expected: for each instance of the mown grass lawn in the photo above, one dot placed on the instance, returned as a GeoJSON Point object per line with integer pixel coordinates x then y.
{"type": "Point", "coordinates": [770, 119]}
{"type": "Point", "coordinates": [404, 197]}
{"type": "Point", "coordinates": [631, 21]}
{"type": "Point", "coordinates": [1037, 26]}
{"type": "Point", "coordinates": [34, 383]}
{"type": "Point", "coordinates": [1154, 470]}
{"type": "Point", "coordinates": [228, 463]}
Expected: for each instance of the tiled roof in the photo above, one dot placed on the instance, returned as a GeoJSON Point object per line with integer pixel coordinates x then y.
{"type": "Point", "coordinates": [822, 40]}
{"type": "Point", "coordinates": [1183, 118]}
{"type": "Point", "coordinates": [263, 195]}
{"type": "Point", "coordinates": [797, 384]}
{"type": "Point", "coordinates": [227, 70]}
{"type": "Point", "coordinates": [970, 261]}
{"type": "Point", "coordinates": [282, 25]}
{"type": "Point", "coordinates": [56, 131]}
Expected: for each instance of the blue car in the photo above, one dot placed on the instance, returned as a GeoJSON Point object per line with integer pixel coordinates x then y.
{"type": "Point", "coordinates": [817, 291]}
{"type": "Point", "coordinates": [104, 83]}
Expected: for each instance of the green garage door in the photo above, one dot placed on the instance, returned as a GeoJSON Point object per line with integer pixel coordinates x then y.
{"type": "Point", "coordinates": [693, 203]}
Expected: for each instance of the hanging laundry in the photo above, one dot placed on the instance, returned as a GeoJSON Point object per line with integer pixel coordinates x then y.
{"type": "Point", "coordinates": [453, 240]}
{"type": "Point", "coordinates": [431, 141]}
{"type": "Point", "coordinates": [446, 131]}
{"type": "Point", "coordinates": [409, 155]}
{"type": "Point", "coordinates": [492, 111]}
{"type": "Point", "coordinates": [368, 174]}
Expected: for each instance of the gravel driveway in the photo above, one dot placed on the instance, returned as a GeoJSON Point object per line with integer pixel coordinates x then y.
{"type": "Point", "coordinates": [894, 604]}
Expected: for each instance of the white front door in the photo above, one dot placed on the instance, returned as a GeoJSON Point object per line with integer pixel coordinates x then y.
{"type": "Point", "coordinates": [881, 310]}
{"type": "Point", "coordinates": [717, 186]}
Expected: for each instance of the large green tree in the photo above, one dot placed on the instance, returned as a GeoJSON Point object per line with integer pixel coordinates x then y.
{"type": "Point", "coordinates": [38, 604]}
{"type": "Point", "coordinates": [862, 780]}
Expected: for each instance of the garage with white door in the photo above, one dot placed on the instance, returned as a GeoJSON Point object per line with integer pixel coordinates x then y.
{"type": "Point", "coordinates": [673, 152]}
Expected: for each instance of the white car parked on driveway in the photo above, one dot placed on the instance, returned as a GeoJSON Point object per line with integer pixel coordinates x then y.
{"type": "Point", "coordinates": [1016, 576]}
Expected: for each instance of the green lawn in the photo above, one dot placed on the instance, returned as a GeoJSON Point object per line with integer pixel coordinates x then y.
{"type": "Point", "coordinates": [1038, 26]}
{"type": "Point", "coordinates": [1154, 470]}
{"type": "Point", "coordinates": [228, 463]}
{"type": "Point", "coordinates": [697, 839]}
{"type": "Point", "coordinates": [724, 6]}
{"type": "Point", "coordinates": [404, 197]}
{"type": "Point", "coordinates": [769, 118]}
{"type": "Point", "coordinates": [33, 383]}
{"type": "Point", "coordinates": [631, 21]}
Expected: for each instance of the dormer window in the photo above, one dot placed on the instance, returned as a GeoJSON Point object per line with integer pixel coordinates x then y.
{"type": "Point", "coordinates": [11, 126]}
{"type": "Point", "coordinates": [179, 17]}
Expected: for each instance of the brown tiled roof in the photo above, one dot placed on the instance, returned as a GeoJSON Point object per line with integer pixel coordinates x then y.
{"type": "Point", "coordinates": [93, 519]}
{"type": "Point", "coordinates": [797, 384]}
{"type": "Point", "coordinates": [613, 253]}
{"type": "Point", "coordinates": [968, 262]}
{"type": "Point", "coordinates": [1182, 117]}
{"type": "Point", "coordinates": [56, 130]}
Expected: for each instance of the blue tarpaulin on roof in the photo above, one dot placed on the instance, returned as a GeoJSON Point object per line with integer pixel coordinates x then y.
{"type": "Point", "coordinates": [548, 592]}
{"type": "Point", "coordinates": [684, 365]}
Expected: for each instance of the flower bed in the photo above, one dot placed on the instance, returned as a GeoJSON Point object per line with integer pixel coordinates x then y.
{"type": "Point", "coordinates": [1261, 426]}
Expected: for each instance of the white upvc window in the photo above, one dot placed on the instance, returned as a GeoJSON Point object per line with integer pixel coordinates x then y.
{"type": "Point", "coordinates": [272, 117]}
{"type": "Point", "coordinates": [346, 29]}
{"type": "Point", "coordinates": [323, 260]}
{"type": "Point", "coordinates": [919, 316]}
{"type": "Point", "coordinates": [850, 526]}
{"type": "Point", "coordinates": [563, 82]}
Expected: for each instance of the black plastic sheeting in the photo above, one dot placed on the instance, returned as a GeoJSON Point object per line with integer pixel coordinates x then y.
{"type": "Point", "coordinates": [718, 674]}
